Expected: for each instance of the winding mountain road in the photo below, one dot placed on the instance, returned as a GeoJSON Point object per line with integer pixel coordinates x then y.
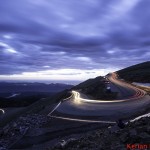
{"type": "Point", "coordinates": [79, 107]}
{"type": "Point", "coordinates": [81, 114]}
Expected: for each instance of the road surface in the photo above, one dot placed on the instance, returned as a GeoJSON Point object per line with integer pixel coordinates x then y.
{"type": "Point", "coordinates": [80, 108]}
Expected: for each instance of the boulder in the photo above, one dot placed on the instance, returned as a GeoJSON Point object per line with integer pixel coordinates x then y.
{"type": "Point", "coordinates": [124, 137]}
{"type": "Point", "coordinates": [132, 132]}
{"type": "Point", "coordinates": [144, 135]}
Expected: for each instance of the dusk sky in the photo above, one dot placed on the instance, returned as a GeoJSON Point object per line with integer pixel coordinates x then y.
{"type": "Point", "coordinates": [71, 39]}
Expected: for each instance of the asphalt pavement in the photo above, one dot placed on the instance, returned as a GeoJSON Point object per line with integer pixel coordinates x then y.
{"type": "Point", "coordinates": [80, 108]}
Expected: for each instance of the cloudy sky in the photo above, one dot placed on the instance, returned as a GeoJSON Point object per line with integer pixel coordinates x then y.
{"type": "Point", "coordinates": [71, 39]}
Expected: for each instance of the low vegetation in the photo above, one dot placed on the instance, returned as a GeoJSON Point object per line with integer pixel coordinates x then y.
{"type": "Point", "coordinates": [134, 134]}
{"type": "Point", "coordinates": [96, 89]}
{"type": "Point", "coordinates": [136, 73]}
{"type": "Point", "coordinates": [23, 100]}
{"type": "Point", "coordinates": [38, 106]}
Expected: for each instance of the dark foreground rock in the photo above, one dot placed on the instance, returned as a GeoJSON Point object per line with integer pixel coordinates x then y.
{"type": "Point", "coordinates": [36, 127]}
{"type": "Point", "coordinates": [15, 130]}
{"type": "Point", "coordinates": [135, 135]}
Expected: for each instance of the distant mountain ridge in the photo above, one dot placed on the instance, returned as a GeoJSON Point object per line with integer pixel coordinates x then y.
{"type": "Point", "coordinates": [136, 73]}
{"type": "Point", "coordinates": [33, 87]}
{"type": "Point", "coordinates": [24, 94]}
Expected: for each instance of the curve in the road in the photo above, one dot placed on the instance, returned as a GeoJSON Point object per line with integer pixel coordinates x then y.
{"type": "Point", "coordinates": [77, 106]}
{"type": "Point", "coordinates": [138, 92]}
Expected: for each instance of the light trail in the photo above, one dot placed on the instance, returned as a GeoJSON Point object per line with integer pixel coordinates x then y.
{"type": "Point", "coordinates": [78, 98]}
{"type": "Point", "coordinates": [54, 108]}
{"type": "Point", "coordinates": [139, 117]}
{"type": "Point", "coordinates": [3, 111]}
{"type": "Point", "coordinates": [138, 93]}
{"type": "Point", "coordinates": [83, 120]}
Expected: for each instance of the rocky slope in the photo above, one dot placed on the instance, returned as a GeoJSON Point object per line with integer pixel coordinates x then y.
{"type": "Point", "coordinates": [135, 134]}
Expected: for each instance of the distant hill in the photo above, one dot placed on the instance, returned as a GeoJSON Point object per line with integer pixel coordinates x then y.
{"type": "Point", "coordinates": [136, 73]}
{"type": "Point", "coordinates": [24, 94]}
{"type": "Point", "coordinates": [32, 87]}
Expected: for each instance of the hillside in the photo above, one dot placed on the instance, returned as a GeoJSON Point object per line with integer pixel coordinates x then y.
{"type": "Point", "coordinates": [136, 73]}
{"type": "Point", "coordinates": [135, 134]}
{"type": "Point", "coordinates": [25, 94]}
{"type": "Point", "coordinates": [31, 127]}
{"type": "Point", "coordinates": [95, 88]}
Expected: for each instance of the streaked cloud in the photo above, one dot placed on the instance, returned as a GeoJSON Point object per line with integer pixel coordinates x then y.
{"type": "Point", "coordinates": [79, 35]}
{"type": "Point", "coordinates": [58, 74]}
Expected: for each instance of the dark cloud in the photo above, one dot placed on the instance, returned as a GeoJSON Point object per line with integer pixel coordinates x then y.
{"type": "Point", "coordinates": [88, 34]}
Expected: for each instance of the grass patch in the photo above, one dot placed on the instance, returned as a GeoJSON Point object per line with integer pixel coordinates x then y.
{"type": "Point", "coordinates": [35, 107]}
